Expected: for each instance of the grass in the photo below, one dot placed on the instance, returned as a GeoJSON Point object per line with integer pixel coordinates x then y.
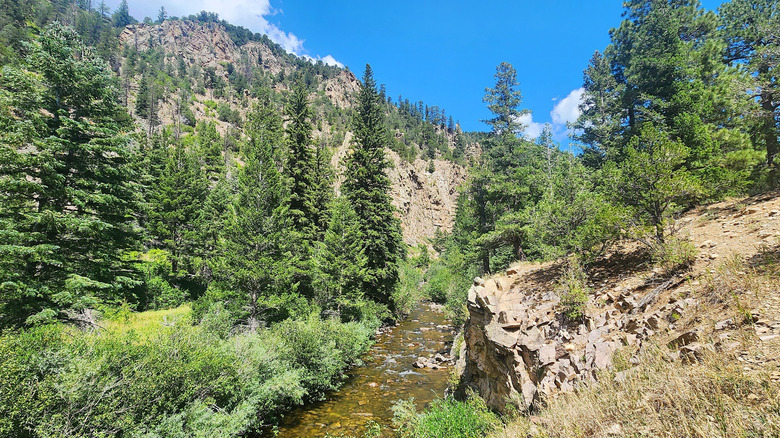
{"type": "Point", "coordinates": [659, 398]}
{"type": "Point", "coordinates": [148, 323]}
{"type": "Point", "coordinates": [445, 418]}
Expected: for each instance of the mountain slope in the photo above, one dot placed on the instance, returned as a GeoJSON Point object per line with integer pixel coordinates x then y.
{"type": "Point", "coordinates": [200, 71]}
{"type": "Point", "coordinates": [719, 319]}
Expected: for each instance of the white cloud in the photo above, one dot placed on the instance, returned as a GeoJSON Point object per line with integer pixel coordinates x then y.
{"type": "Point", "coordinates": [328, 60]}
{"type": "Point", "coordinates": [567, 110]}
{"type": "Point", "coordinates": [532, 129]}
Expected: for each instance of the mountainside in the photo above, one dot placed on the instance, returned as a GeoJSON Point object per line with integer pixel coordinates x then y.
{"type": "Point", "coordinates": [521, 349]}
{"type": "Point", "coordinates": [197, 62]}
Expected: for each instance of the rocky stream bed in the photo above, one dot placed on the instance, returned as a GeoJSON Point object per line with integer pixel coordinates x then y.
{"type": "Point", "coordinates": [408, 360]}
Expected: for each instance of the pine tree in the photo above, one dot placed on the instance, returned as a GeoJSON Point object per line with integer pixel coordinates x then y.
{"type": "Point", "coordinates": [366, 186]}
{"type": "Point", "coordinates": [750, 30]}
{"type": "Point", "coordinates": [341, 260]}
{"type": "Point", "coordinates": [176, 200]}
{"type": "Point", "coordinates": [299, 170]}
{"type": "Point", "coordinates": [253, 266]}
{"type": "Point", "coordinates": [67, 186]}
{"type": "Point", "coordinates": [299, 166]}
{"type": "Point", "coordinates": [599, 125]}
{"type": "Point", "coordinates": [209, 147]}
{"type": "Point", "coordinates": [503, 101]}
{"type": "Point", "coordinates": [322, 189]}
{"type": "Point", "coordinates": [122, 15]}
{"type": "Point", "coordinates": [651, 180]}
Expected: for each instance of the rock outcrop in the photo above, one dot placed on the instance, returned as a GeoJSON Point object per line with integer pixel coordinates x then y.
{"type": "Point", "coordinates": [427, 201]}
{"type": "Point", "coordinates": [519, 349]}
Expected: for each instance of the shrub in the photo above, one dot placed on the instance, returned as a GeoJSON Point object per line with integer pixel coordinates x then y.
{"type": "Point", "coordinates": [408, 293]}
{"type": "Point", "coordinates": [445, 418]}
{"type": "Point", "coordinates": [674, 254]}
{"type": "Point", "coordinates": [440, 280]}
{"type": "Point", "coordinates": [179, 380]}
{"type": "Point", "coordinates": [573, 290]}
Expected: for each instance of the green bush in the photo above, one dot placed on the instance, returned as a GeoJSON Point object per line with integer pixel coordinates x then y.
{"type": "Point", "coordinates": [181, 380]}
{"type": "Point", "coordinates": [439, 282]}
{"type": "Point", "coordinates": [445, 418]}
{"type": "Point", "coordinates": [573, 290]}
{"type": "Point", "coordinates": [407, 294]}
{"type": "Point", "coordinates": [674, 254]}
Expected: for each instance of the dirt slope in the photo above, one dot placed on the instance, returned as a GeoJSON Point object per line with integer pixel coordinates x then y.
{"type": "Point", "coordinates": [519, 350]}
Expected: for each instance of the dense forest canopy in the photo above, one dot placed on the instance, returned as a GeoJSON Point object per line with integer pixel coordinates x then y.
{"type": "Point", "coordinates": [131, 180]}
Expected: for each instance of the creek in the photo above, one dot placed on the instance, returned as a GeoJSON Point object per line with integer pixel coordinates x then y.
{"type": "Point", "coordinates": [385, 377]}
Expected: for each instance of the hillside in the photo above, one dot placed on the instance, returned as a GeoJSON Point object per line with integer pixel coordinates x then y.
{"type": "Point", "coordinates": [719, 319]}
{"type": "Point", "coordinates": [184, 52]}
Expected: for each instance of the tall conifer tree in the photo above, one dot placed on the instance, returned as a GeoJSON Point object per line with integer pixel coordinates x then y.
{"type": "Point", "coordinates": [299, 166]}
{"type": "Point", "coordinates": [252, 265]}
{"type": "Point", "coordinates": [66, 186]}
{"type": "Point", "coordinates": [366, 186]}
{"type": "Point", "coordinates": [299, 171]}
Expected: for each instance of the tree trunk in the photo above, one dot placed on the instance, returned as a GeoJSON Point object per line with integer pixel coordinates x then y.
{"type": "Point", "coordinates": [486, 262]}
{"type": "Point", "coordinates": [770, 130]}
{"type": "Point", "coordinates": [518, 250]}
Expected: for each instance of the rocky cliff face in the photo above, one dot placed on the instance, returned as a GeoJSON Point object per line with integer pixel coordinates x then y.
{"type": "Point", "coordinates": [426, 200]}
{"type": "Point", "coordinates": [519, 350]}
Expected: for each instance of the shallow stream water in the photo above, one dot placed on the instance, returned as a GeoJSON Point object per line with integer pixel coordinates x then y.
{"type": "Point", "coordinates": [385, 377]}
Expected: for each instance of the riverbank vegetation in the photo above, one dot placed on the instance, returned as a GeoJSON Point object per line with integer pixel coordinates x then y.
{"type": "Point", "coordinates": [262, 286]}
{"type": "Point", "coordinates": [171, 377]}
{"type": "Point", "coordinates": [681, 109]}
{"type": "Point", "coordinates": [181, 281]}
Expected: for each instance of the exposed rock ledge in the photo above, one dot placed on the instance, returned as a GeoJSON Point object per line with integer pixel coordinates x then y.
{"type": "Point", "coordinates": [518, 349]}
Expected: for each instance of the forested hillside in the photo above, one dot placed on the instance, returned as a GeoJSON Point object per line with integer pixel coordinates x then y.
{"type": "Point", "coordinates": [240, 196]}
{"type": "Point", "coordinates": [681, 108]}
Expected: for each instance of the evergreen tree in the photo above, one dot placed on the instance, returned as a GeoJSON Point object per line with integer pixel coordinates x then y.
{"type": "Point", "coordinates": [600, 123]}
{"type": "Point", "coordinates": [503, 101]}
{"type": "Point", "coordinates": [162, 14]}
{"type": "Point", "coordinates": [299, 170]}
{"type": "Point", "coordinates": [122, 16]}
{"type": "Point", "coordinates": [504, 183]}
{"type": "Point", "coordinates": [299, 166]}
{"type": "Point", "coordinates": [176, 200]}
{"type": "Point", "coordinates": [253, 267]}
{"type": "Point", "coordinates": [366, 186]}
{"type": "Point", "coordinates": [341, 260]}
{"type": "Point", "coordinates": [209, 147]}
{"type": "Point", "coordinates": [651, 181]}
{"type": "Point", "coordinates": [322, 188]}
{"type": "Point", "coordinates": [67, 187]}
{"type": "Point", "coordinates": [750, 30]}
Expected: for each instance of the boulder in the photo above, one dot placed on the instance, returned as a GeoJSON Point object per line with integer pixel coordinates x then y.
{"type": "Point", "coordinates": [421, 362]}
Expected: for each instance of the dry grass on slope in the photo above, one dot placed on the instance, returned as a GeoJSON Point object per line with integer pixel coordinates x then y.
{"type": "Point", "coordinates": [730, 388]}
{"type": "Point", "coordinates": [658, 398]}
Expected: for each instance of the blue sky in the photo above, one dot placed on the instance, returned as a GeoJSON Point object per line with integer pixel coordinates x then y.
{"type": "Point", "coordinates": [441, 52]}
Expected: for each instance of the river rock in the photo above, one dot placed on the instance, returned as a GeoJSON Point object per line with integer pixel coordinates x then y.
{"type": "Point", "coordinates": [421, 362]}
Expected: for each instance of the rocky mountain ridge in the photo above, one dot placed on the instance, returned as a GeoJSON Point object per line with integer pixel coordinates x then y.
{"type": "Point", "coordinates": [426, 200]}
